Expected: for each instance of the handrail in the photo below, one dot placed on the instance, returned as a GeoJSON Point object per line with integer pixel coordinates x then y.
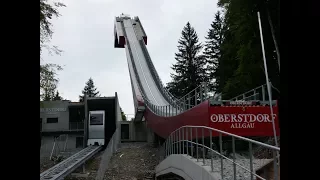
{"type": "Point", "coordinates": [230, 134]}
{"type": "Point", "coordinates": [179, 141]}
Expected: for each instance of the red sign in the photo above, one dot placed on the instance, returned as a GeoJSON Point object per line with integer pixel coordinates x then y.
{"type": "Point", "coordinates": [244, 121]}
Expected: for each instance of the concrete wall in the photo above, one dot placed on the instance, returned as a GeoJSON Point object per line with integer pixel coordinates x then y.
{"type": "Point", "coordinates": [118, 125]}
{"type": "Point", "coordinates": [140, 131]}
{"type": "Point", "coordinates": [186, 167]}
{"type": "Point", "coordinates": [137, 131]}
{"type": "Point", "coordinates": [54, 109]}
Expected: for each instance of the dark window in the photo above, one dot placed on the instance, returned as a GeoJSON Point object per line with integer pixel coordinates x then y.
{"type": "Point", "coordinates": [124, 131]}
{"type": "Point", "coordinates": [52, 120]}
{"type": "Point", "coordinates": [96, 119]}
{"type": "Point", "coordinates": [79, 142]}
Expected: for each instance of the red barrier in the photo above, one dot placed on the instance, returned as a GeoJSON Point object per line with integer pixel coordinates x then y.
{"type": "Point", "coordinates": [243, 121]}
{"type": "Point", "coordinates": [163, 126]}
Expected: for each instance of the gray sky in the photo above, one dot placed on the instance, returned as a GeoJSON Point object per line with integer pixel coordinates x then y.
{"type": "Point", "coordinates": [84, 31]}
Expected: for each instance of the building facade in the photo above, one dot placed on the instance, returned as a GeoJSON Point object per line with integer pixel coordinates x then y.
{"type": "Point", "coordinates": [61, 124]}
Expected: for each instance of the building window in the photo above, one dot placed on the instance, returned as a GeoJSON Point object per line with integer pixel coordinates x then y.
{"type": "Point", "coordinates": [96, 119]}
{"type": "Point", "coordinates": [125, 131]}
{"type": "Point", "coordinates": [52, 120]}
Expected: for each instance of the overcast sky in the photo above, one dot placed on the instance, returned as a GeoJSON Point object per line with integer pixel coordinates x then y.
{"type": "Point", "coordinates": [84, 31]}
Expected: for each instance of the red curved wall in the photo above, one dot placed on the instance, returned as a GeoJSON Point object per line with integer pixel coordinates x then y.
{"type": "Point", "coordinates": [163, 126]}
{"type": "Point", "coordinates": [200, 116]}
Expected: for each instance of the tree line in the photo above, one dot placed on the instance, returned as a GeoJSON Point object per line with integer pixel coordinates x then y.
{"type": "Point", "coordinates": [230, 60]}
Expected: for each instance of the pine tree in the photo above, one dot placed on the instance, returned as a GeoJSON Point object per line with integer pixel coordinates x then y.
{"type": "Point", "coordinates": [124, 118]}
{"type": "Point", "coordinates": [189, 68]}
{"type": "Point", "coordinates": [57, 97]}
{"type": "Point", "coordinates": [212, 50]}
{"type": "Point", "coordinates": [90, 90]}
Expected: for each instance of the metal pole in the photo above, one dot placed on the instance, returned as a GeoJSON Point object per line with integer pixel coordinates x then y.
{"type": "Point", "coordinates": [166, 111]}
{"type": "Point", "coordinates": [173, 143]}
{"type": "Point", "coordinates": [275, 168]}
{"type": "Point", "coordinates": [251, 163]}
{"type": "Point", "coordinates": [267, 80]}
{"type": "Point", "coordinates": [65, 144]}
{"type": "Point", "coordinates": [170, 137]}
{"type": "Point", "coordinates": [187, 132]}
{"type": "Point", "coordinates": [211, 152]}
{"type": "Point", "coordinates": [195, 97]}
{"type": "Point", "coordinates": [191, 141]}
{"type": "Point", "coordinates": [197, 144]}
{"type": "Point", "coordinates": [176, 110]}
{"type": "Point", "coordinates": [234, 159]}
{"type": "Point", "coordinates": [221, 158]}
{"type": "Point", "coordinates": [177, 149]}
{"type": "Point", "coordinates": [203, 149]}
{"type": "Point", "coordinates": [182, 140]}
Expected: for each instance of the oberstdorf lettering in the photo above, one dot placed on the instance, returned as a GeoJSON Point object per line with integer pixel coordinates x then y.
{"type": "Point", "coordinates": [242, 120]}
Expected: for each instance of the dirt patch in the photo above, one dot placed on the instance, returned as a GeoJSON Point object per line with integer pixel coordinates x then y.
{"type": "Point", "coordinates": [133, 161]}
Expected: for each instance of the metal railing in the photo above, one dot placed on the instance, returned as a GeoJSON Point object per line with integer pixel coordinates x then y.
{"type": "Point", "coordinates": [258, 93]}
{"type": "Point", "coordinates": [190, 140]}
{"type": "Point", "coordinates": [76, 126]}
{"type": "Point", "coordinates": [188, 101]}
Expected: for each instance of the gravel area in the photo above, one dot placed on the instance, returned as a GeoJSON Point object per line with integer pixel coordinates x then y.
{"type": "Point", "coordinates": [228, 172]}
{"type": "Point", "coordinates": [133, 161]}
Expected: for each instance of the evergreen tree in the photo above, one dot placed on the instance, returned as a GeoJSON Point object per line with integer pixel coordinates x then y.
{"type": "Point", "coordinates": [212, 50]}
{"type": "Point", "coordinates": [241, 63]}
{"type": "Point", "coordinates": [190, 66]}
{"type": "Point", "coordinates": [124, 117]}
{"type": "Point", "coordinates": [90, 90]}
{"type": "Point", "coordinates": [57, 97]}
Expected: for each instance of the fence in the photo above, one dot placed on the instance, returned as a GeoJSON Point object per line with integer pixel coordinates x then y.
{"type": "Point", "coordinates": [191, 139]}
{"type": "Point", "coordinates": [178, 106]}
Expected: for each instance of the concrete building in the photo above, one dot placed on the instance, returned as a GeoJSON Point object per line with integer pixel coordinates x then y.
{"type": "Point", "coordinates": [62, 123]}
